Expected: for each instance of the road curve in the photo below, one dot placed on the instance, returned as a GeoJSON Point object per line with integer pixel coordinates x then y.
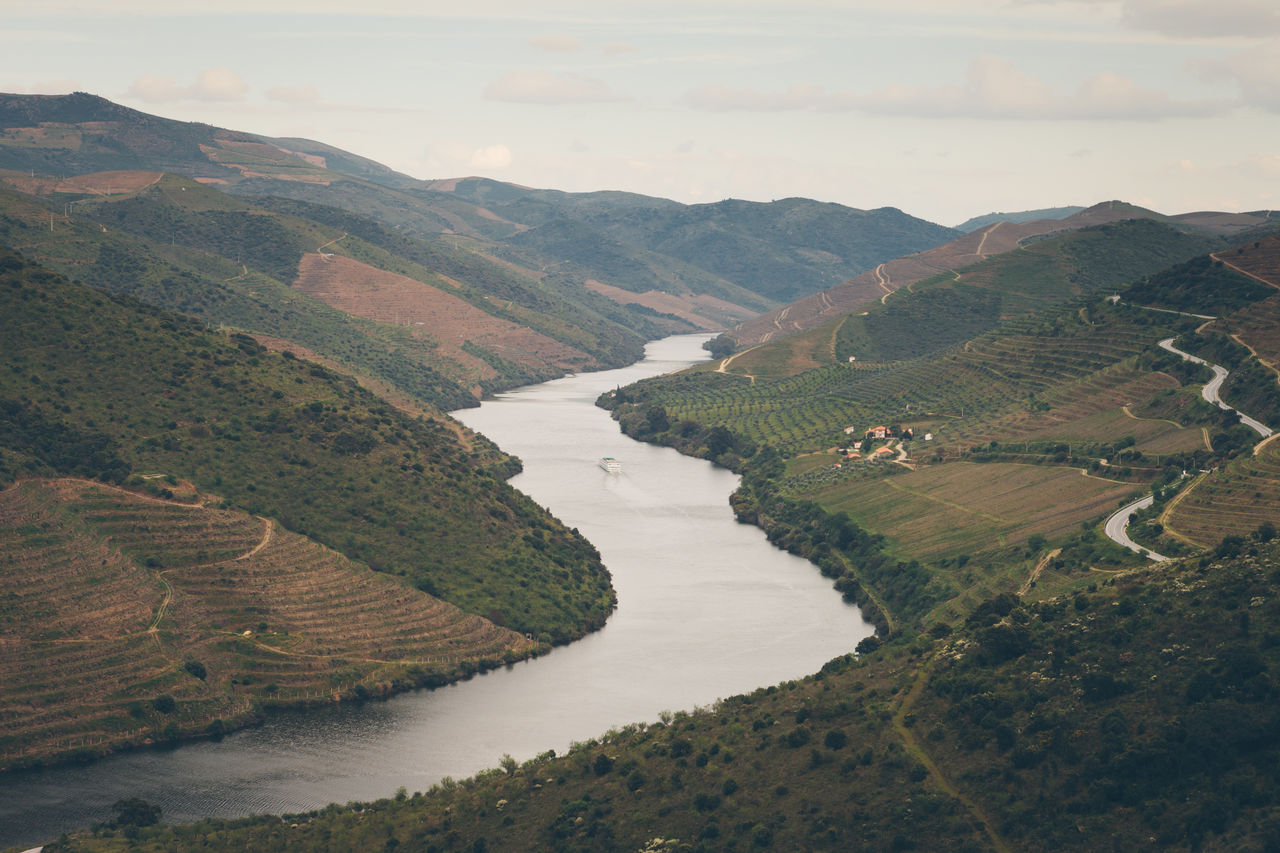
{"type": "Point", "coordinates": [1211, 388]}
{"type": "Point", "coordinates": [1119, 521]}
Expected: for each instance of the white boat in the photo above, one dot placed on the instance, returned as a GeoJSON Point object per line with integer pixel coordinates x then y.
{"type": "Point", "coordinates": [610, 465]}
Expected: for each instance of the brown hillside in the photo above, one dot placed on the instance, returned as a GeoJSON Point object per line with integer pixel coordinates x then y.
{"type": "Point", "coordinates": [1257, 326]}
{"type": "Point", "coordinates": [387, 297]}
{"type": "Point", "coordinates": [95, 183]}
{"type": "Point", "coordinates": [107, 594]}
{"type": "Point", "coordinates": [860, 291]}
{"type": "Point", "coordinates": [702, 310]}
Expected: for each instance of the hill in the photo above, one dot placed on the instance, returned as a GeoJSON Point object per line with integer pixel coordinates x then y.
{"type": "Point", "coordinates": [1015, 405]}
{"type": "Point", "coordinates": [750, 255]}
{"type": "Point", "coordinates": [103, 387]}
{"type": "Point", "coordinates": [861, 292]}
{"type": "Point", "coordinates": [976, 222]}
{"type": "Point", "coordinates": [131, 619]}
{"type": "Point", "coordinates": [1137, 711]}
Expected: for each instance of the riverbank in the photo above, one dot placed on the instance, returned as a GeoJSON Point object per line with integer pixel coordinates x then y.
{"type": "Point", "coordinates": [707, 609]}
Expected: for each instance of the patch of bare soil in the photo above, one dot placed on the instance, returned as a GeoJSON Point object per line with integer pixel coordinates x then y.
{"type": "Point", "coordinates": [387, 297]}
{"type": "Point", "coordinates": [703, 311]}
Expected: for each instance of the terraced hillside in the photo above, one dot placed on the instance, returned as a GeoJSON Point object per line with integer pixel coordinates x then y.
{"type": "Point", "coordinates": [104, 388]}
{"type": "Point", "coordinates": [1232, 501]}
{"type": "Point", "coordinates": [1003, 449]}
{"type": "Point", "coordinates": [1134, 714]}
{"type": "Point", "coordinates": [129, 619]}
{"type": "Point", "coordinates": [861, 292]}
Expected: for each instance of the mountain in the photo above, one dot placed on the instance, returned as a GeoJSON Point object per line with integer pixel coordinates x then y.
{"type": "Point", "coordinates": [648, 266]}
{"type": "Point", "coordinates": [860, 292]}
{"type": "Point", "coordinates": [976, 222]}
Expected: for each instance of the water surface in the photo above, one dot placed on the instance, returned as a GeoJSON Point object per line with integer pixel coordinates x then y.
{"type": "Point", "coordinates": [707, 609]}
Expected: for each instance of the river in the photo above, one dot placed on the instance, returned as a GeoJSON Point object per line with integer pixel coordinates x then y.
{"type": "Point", "coordinates": [707, 609]}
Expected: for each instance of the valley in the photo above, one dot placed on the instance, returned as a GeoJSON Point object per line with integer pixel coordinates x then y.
{"type": "Point", "coordinates": [230, 486]}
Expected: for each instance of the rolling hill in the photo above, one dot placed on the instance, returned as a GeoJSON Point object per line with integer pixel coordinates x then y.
{"type": "Point", "coordinates": [102, 387]}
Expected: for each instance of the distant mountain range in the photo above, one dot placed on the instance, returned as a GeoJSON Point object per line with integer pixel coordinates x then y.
{"type": "Point", "coordinates": [553, 281]}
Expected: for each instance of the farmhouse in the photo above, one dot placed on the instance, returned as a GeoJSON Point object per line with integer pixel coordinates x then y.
{"type": "Point", "coordinates": [878, 432]}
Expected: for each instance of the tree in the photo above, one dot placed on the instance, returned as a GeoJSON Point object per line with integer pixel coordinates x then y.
{"type": "Point", "coordinates": [135, 811]}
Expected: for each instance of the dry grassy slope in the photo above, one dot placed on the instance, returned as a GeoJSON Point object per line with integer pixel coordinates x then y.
{"type": "Point", "coordinates": [387, 297]}
{"type": "Point", "coordinates": [1233, 500]}
{"type": "Point", "coordinates": [860, 291]}
{"type": "Point", "coordinates": [106, 594]}
{"type": "Point", "coordinates": [701, 309]}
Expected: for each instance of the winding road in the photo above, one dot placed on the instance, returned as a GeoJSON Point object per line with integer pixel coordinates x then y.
{"type": "Point", "coordinates": [1212, 387]}
{"type": "Point", "coordinates": [1117, 524]}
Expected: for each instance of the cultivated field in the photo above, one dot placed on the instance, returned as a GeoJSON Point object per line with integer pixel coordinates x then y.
{"type": "Point", "coordinates": [966, 508]}
{"type": "Point", "coordinates": [128, 619]}
{"type": "Point", "coordinates": [1233, 500]}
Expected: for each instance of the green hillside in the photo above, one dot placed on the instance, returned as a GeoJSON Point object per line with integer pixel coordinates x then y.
{"type": "Point", "coordinates": [1010, 438]}
{"type": "Point", "coordinates": [104, 387]}
{"type": "Point", "coordinates": [221, 292]}
{"type": "Point", "coordinates": [1137, 713]}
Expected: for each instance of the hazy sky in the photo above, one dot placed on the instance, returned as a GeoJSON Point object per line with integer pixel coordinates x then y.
{"type": "Point", "coordinates": [943, 108]}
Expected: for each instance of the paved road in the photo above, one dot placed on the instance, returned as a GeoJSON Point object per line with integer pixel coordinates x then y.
{"type": "Point", "coordinates": [1211, 388]}
{"type": "Point", "coordinates": [1119, 520]}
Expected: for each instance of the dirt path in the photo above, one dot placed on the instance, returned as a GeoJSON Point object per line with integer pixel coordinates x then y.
{"type": "Point", "coordinates": [723, 367]}
{"type": "Point", "coordinates": [322, 247]}
{"type": "Point", "coordinates": [983, 241]}
{"type": "Point", "coordinates": [1035, 573]}
{"type": "Point", "coordinates": [268, 531]}
{"type": "Point", "coordinates": [1259, 278]}
{"type": "Point", "coordinates": [1163, 518]}
{"type": "Point", "coordinates": [882, 279]}
{"type": "Point", "coordinates": [1125, 409]}
{"type": "Point", "coordinates": [940, 779]}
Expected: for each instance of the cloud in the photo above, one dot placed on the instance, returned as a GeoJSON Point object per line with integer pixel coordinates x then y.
{"type": "Point", "coordinates": [558, 43]}
{"type": "Point", "coordinates": [211, 85]}
{"type": "Point", "coordinates": [1255, 71]}
{"type": "Point", "coordinates": [218, 84]}
{"type": "Point", "coordinates": [1200, 19]}
{"type": "Point", "coordinates": [301, 95]}
{"type": "Point", "coordinates": [543, 87]}
{"type": "Point", "coordinates": [617, 48]}
{"type": "Point", "coordinates": [491, 157]}
{"type": "Point", "coordinates": [992, 89]}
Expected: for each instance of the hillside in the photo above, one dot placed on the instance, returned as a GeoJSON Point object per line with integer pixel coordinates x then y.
{"type": "Point", "coordinates": [130, 619]}
{"type": "Point", "coordinates": [976, 222]}
{"type": "Point", "coordinates": [1134, 713]}
{"type": "Point", "coordinates": [747, 254]}
{"type": "Point", "coordinates": [861, 292]}
{"type": "Point", "coordinates": [102, 387]}
{"type": "Point", "coordinates": [1018, 408]}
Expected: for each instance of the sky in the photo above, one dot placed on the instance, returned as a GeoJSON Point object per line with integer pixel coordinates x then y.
{"type": "Point", "coordinates": [945, 109]}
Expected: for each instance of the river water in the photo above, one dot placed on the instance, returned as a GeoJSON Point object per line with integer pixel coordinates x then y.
{"type": "Point", "coordinates": [707, 609]}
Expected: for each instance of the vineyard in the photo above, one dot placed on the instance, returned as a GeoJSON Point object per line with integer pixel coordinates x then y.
{"type": "Point", "coordinates": [1234, 500]}
{"type": "Point", "coordinates": [173, 620]}
{"type": "Point", "coordinates": [990, 380]}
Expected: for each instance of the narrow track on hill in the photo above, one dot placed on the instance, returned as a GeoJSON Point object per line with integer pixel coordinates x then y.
{"type": "Point", "coordinates": [916, 750]}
